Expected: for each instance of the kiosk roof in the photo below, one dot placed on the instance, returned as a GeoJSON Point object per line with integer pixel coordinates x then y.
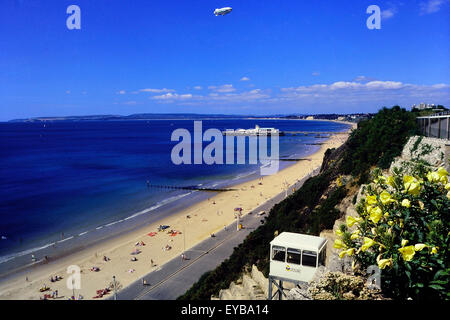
{"type": "Point", "coordinates": [299, 241]}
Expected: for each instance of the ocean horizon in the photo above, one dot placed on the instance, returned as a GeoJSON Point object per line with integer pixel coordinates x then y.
{"type": "Point", "coordinates": [70, 184]}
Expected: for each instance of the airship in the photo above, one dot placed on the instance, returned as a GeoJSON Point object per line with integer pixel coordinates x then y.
{"type": "Point", "coordinates": [222, 11]}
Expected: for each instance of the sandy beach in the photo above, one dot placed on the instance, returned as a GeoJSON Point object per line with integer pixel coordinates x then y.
{"type": "Point", "coordinates": [190, 226]}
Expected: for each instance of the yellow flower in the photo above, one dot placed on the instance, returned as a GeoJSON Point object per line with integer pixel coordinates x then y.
{"type": "Point", "coordinates": [404, 242]}
{"type": "Point", "coordinates": [342, 254]}
{"type": "Point", "coordinates": [438, 176]}
{"type": "Point", "coordinates": [412, 186]}
{"type": "Point", "coordinates": [419, 246]}
{"type": "Point", "coordinates": [442, 175]}
{"type": "Point", "coordinates": [386, 198]}
{"type": "Point", "coordinates": [383, 263]}
{"type": "Point", "coordinates": [406, 203]}
{"type": "Point", "coordinates": [390, 181]}
{"type": "Point", "coordinates": [447, 186]}
{"type": "Point", "coordinates": [448, 195]}
{"type": "Point", "coordinates": [352, 220]}
{"type": "Point", "coordinates": [339, 232]}
{"type": "Point", "coordinates": [338, 244]}
{"type": "Point", "coordinates": [353, 265]}
{"type": "Point", "coordinates": [421, 205]}
{"type": "Point", "coordinates": [371, 200]}
{"type": "Point", "coordinates": [355, 235]}
{"type": "Point", "coordinates": [407, 252]}
{"type": "Point", "coordinates": [367, 244]}
{"type": "Point", "coordinates": [433, 176]}
{"type": "Point", "coordinates": [376, 214]}
{"type": "Point", "coordinates": [391, 223]}
{"type": "Point", "coordinates": [350, 252]}
{"type": "Point", "coordinates": [434, 250]}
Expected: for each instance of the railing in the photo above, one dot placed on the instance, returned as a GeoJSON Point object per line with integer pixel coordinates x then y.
{"type": "Point", "coordinates": [436, 125]}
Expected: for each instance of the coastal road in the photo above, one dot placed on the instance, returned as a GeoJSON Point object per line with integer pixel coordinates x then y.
{"type": "Point", "coordinates": [175, 277]}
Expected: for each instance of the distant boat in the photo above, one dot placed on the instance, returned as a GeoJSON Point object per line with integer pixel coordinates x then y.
{"type": "Point", "coordinates": [253, 132]}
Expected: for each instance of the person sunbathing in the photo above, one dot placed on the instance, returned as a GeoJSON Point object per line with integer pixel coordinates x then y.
{"type": "Point", "coordinates": [44, 288]}
{"type": "Point", "coordinates": [136, 251]}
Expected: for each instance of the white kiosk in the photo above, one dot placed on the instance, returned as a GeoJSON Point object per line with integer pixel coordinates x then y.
{"type": "Point", "coordinates": [294, 258]}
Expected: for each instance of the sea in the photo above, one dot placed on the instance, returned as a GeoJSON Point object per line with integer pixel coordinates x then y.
{"type": "Point", "coordinates": [65, 185]}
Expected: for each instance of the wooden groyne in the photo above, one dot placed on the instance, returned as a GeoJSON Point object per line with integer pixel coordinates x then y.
{"type": "Point", "coordinates": [287, 159]}
{"type": "Point", "coordinates": [193, 188]}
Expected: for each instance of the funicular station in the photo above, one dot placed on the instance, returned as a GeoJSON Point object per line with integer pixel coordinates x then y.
{"type": "Point", "coordinates": [294, 258]}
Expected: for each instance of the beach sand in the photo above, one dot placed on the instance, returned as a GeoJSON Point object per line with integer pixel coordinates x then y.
{"type": "Point", "coordinates": [205, 218]}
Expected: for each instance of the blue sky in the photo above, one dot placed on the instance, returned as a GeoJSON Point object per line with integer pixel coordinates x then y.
{"type": "Point", "coordinates": [266, 57]}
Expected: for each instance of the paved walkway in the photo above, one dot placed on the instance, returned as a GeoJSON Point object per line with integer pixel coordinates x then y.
{"type": "Point", "coordinates": [175, 277]}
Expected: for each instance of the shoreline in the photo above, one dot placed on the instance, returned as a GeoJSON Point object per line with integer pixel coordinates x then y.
{"type": "Point", "coordinates": [206, 217]}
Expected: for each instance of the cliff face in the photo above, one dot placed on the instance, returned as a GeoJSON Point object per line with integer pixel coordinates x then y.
{"type": "Point", "coordinates": [251, 286]}
{"type": "Point", "coordinates": [435, 152]}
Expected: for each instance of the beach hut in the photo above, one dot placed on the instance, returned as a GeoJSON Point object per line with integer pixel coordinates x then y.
{"type": "Point", "coordinates": [294, 257]}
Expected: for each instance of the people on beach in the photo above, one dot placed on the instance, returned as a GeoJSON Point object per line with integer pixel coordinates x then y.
{"type": "Point", "coordinates": [136, 251]}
